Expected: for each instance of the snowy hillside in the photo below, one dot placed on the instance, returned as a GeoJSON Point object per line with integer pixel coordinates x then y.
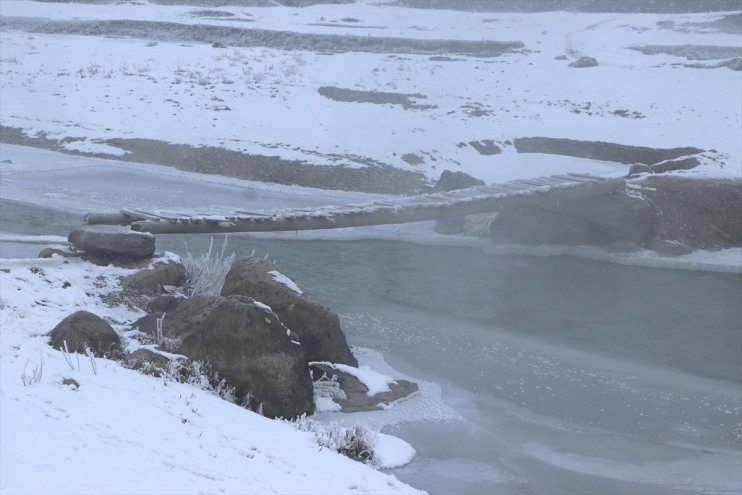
{"type": "Point", "coordinates": [275, 107]}
{"type": "Point", "coordinates": [114, 430]}
{"type": "Point", "coordinates": [361, 84]}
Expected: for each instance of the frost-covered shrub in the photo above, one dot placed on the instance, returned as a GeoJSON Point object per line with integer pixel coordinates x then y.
{"type": "Point", "coordinates": [356, 442]}
{"type": "Point", "coordinates": [198, 374]}
{"type": "Point", "coordinates": [205, 274]}
{"type": "Point", "coordinates": [329, 388]}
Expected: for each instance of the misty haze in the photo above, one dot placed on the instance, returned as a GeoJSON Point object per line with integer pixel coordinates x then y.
{"type": "Point", "coordinates": [377, 246]}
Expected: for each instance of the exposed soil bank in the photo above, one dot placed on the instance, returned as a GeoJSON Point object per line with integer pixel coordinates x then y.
{"type": "Point", "coordinates": [598, 150]}
{"type": "Point", "coordinates": [376, 97]}
{"type": "Point", "coordinates": [224, 36]}
{"type": "Point", "coordinates": [669, 214]}
{"type": "Point", "coordinates": [701, 214]}
{"type": "Point", "coordinates": [691, 52]}
{"type": "Point", "coordinates": [643, 6]}
{"type": "Point", "coordinates": [376, 178]}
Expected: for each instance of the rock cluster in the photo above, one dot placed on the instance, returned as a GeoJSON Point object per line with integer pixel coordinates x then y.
{"type": "Point", "coordinates": [113, 239]}
{"type": "Point", "coordinates": [583, 62]}
{"type": "Point", "coordinates": [258, 336]}
{"type": "Point", "coordinates": [672, 215]}
{"type": "Point", "coordinates": [82, 331]}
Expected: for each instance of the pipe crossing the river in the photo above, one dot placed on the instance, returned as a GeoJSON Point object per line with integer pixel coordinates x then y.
{"type": "Point", "coordinates": [479, 199]}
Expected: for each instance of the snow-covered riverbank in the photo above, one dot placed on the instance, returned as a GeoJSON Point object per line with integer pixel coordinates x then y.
{"type": "Point", "coordinates": [112, 81]}
{"type": "Point", "coordinates": [118, 431]}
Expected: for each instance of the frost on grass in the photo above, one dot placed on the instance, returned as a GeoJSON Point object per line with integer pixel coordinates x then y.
{"type": "Point", "coordinates": [356, 442]}
{"type": "Point", "coordinates": [326, 390]}
{"type": "Point", "coordinates": [205, 274]}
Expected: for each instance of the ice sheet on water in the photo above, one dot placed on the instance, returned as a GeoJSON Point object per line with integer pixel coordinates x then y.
{"type": "Point", "coordinates": [426, 405]}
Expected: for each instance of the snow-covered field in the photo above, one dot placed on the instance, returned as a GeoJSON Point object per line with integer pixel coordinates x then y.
{"type": "Point", "coordinates": [150, 80]}
{"type": "Point", "coordinates": [119, 431]}
{"type": "Point", "coordinates": [73, 80]}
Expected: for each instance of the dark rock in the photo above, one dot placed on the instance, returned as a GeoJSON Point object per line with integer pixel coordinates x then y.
{"type": "Point", "coordinates": [611, 217]}
{"type": "Point", "coordinates": [670, 165]}
{"type": "Point", "coordinates": [560, 57]}
{"type": "Point", "coordinates": [147, 362]}
{"type": "Point", "coordinates": [412, 159]}
{"type": "Point", "coordinates": [50, 252]}
{"type": "Point", "coordinates": [147, 323]}
{"type": "Point", "coordinates": [357, 398]}
{"type": "Point", "coordinates": [163, 303]}
{"type": "Point", "coordinates": [150, 281]}
{"type": "Point", "coordinates": [317, 328]}
{"type": "Point", "coordinates": [113, 239]}
{"type": "Point", "coordinates": [120, 260]}
{"type": "Point", "coordinates": [639, 168]}
{"type": "Point", "coordinates": [83, 329]}
{"type": "Point", "coordinates": [700, 214]}
{"type": "Point", "coordinates": [486, 147]}
{"type": "Point", "coordinates": [597, 220]}
{"type": "Point", "coordinates": [583, 62]}
{"type": "Point", "coordinates": [71, 382]}
{"type": "Point", "coordinates": [450, 181]}
{"type": "Point", "coordinates": [248, 346]}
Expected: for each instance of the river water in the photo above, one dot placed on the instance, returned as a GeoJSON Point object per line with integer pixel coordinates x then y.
{"type": "Point", "coordinates": [571, 375]}
{"type": "Point", "coordinates": [538, 374]}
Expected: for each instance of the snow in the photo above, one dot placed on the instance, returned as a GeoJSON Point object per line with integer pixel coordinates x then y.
{"type": "Point", "coordinates": [177, 439]}
{"type": "Point", "coordinates": [373, 380]}
{"type": "Point", "coordinates": [283, 279]}
{"type": "Point", "coordinates": [392, 451]}
{"type": "Point", "coordinates": [123, 432]}
{"type": "Point", "coordinates": [69, 88]}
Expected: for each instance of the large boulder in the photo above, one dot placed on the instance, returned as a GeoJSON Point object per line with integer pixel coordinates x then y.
{"type": "Point", "coordinates": [83, 330]}
{"type": "Point", "coordinates": [355, 396]}
{"type": "Point", "coordinates": [705, 214]}
{"type": "Point", "coordinates": [151, 280]}
{"type": "Point", "coordinates": [113, 239]}
{"type": "Point", "coordinates": [246, 343]}
{"type": "Point", "coordinates": [537, 226]}
{"type": "Point", "coordinates": [611, 217]}
{"type": "Point", "coordinates": [597, 220]}
{"type": "Point", "coordinates": [317, 328]}
{"type": "Point", "coordinates": [583, 62]}
{"type": "Point", "coordinates": [450, 181]}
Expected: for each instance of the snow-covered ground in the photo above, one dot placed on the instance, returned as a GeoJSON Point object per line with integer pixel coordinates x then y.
{"type": "Point", "coordinates": [119, 431]}
{"type": "Point", "coordinates": [147, 82]}
{"type": "Point", "coordinates": [125, 432]}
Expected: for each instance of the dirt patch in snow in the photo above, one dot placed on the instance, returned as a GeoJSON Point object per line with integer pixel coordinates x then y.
{"type": "Point", "coordinates": [243, 36]}
{"type": "Point", "coordinates": [374, 178]}
{"type": "Point", "coordinates": [729, 56]}
{"type": "Point", "coordinates": [407, 101]}
{"type": "Point", "coordinates": [599, 150]}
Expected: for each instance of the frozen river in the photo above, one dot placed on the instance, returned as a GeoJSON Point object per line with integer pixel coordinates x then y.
{"type": "Point", "coordinates": [557, 374]}
{"type": "Point", "coordinates": [574, 376]}
{"type": "Point", "coordinates": [538, 374]}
